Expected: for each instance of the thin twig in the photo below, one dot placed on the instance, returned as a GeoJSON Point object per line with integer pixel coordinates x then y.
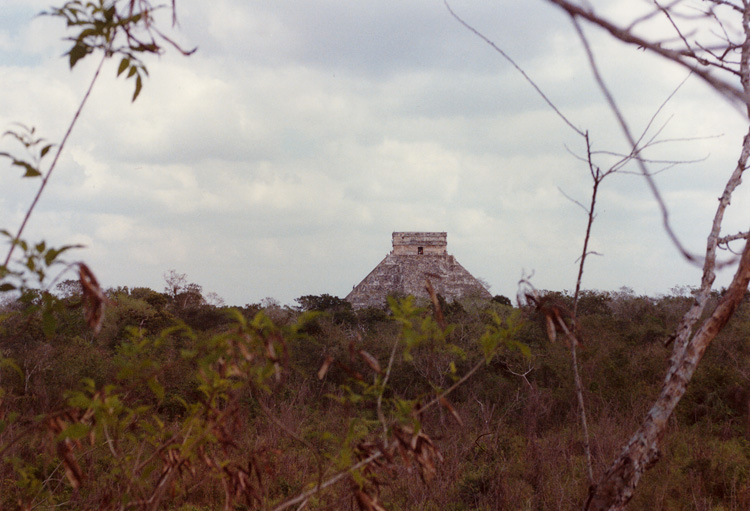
{"type": "Point", "coordinates": [59, 151]}
{"type": "Point", "coordinates": [573, 341]}
{"type": "Point", "coordinates": [597, 177]}
{"type": "Point", "coordinates": [453, 387]}
{"type": "Point", "coordinates": [381, 417]}
{"type": "Point", "coordinates": [736, 95]}
{"type": "Point", "coordinates": [267, 412]}
{"type": "Point", "coordinates": [518, 68]}
{"type": "Point", "coordinates": [626, 130]}
{"type": "Point", "coordinates": [333, 480]}
{"type": "Point", "coordinates": [739, 236]}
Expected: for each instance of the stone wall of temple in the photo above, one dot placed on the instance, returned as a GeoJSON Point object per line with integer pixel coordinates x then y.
{"type": "Point", "coordinates": [420, 243]}
{"type": "Point", "coordinates": [404, 272]}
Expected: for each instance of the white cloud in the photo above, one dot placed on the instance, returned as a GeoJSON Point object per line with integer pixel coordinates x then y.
{"type": "Point", "coordinates": [278, 159]}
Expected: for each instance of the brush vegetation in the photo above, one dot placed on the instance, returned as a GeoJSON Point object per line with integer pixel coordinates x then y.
{"type": "Point", "coordinates": [180, 404]}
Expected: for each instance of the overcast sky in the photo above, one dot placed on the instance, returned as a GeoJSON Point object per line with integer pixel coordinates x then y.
{"type": "Point", "coordinates": [279, 158]}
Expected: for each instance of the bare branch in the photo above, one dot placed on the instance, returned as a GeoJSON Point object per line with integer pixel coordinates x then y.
{"type": "Point", "coordinates": [739, 236]}
{"type": "Point", "coordinates": [523, 375]}
{"type": "Point", "coordinates": [649, 16]}
{"type": "Point", "coordinates": [619, 482]}
{"type": "Point", "coordinates": [689, 50]}
{"type": "Point", "coordinates": [626, 130]}
{"type": "Point", "coordinates": [571, 199]}
{"type": "Point", "coordinates": [53, 165]}
{"type": "Point", "coordinates": [329, 482]}
{"type": "Point", "coordinates": [731, 92]}
{"type": "Point", "coordinates": [269, 414]}
{"type": "Point", "coordinates": [518, 68]}
{"type": "Point", "coordinates": [381, 417]}
{"type": "Point", "coordinates": [616, 488]}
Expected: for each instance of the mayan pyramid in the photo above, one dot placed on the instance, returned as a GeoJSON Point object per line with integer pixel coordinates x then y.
{"type": "Point", "coordinates": [416, 257]}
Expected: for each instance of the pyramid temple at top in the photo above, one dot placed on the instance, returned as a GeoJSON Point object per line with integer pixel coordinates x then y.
{"type": "Point", "coordinates": [416, 257]}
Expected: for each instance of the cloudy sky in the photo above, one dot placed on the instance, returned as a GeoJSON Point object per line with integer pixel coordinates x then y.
{"type": "Point", "coordinates": [277, 160]}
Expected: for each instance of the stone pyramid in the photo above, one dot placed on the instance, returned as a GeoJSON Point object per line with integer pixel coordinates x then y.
{"type": "Point", "coordinates": [415, 258]}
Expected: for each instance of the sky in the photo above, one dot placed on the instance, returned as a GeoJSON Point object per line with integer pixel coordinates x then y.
{"type": "Point", "coordinates": [277, 160]}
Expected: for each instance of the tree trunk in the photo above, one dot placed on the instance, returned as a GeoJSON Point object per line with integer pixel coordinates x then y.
{"type": "Point", "coordinates": [616, 487]}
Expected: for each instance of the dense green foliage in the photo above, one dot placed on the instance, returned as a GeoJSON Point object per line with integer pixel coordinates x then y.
{"type": "Point", "coordinates": [256, 405]}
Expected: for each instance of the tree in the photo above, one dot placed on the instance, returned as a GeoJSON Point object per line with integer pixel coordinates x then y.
{"type": "Point", "coordinates": [323, 303]}
{"type": "Point", "coordinates": [711, 40]}
{"type": "Point", "coordinates": [184, 295]}
{"type": "Point", "coordinates": [175, 282]}
{"type": "Point", "coordinates": [724, 64]}
{"type": "Point", "coordinates": [502, 300]}
{"type": "Point", "coordinates": [69, 288]}
{"type": "Point", "coordinates": [340, 310]}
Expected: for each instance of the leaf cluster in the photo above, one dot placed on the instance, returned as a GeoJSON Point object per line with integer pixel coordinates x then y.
{"type": "Point", "coordinates": [35, 147]}
{"type": "Point", "coordinates": [114, 27]}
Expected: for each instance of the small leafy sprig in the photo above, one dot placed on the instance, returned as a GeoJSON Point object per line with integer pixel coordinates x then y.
{"type": "Point", "coordinates": [35, 147]}
{"type": "Point", "coordinates": [35, 261]}
{"type": "Point", "coordinates": [115, 28]}
{"type": "Point", "coordinates": [365, 457]}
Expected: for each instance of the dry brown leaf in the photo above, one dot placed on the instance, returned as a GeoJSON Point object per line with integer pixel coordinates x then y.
{"type": "Point", "coordinates": [351, 372]}
{"type": "Point", "coordinates": [436, 304]}
{"type": "Point", "coordinates": [426, 454]}
{"type": "Point", "coordinates": [271, 355]}
{"type": "Point", "coordinates": [370, 361]}
{"type": "Point", "coordinates": [94, 299]}
{"type": "Point", "coordinates": [271, 351]}
{"type": "Point", "coordinates": [444, 402]}
{"type": "Point", "coordinates": [245, 352]}
{"type": "Point", "coordinates": [72, 469]}
{"type": "Point", "coordinates": [367, 502]}
{"type": "Point", "coordinates": [420, 448]}
{"type": "Point", "coordinates": [325, 367]}
{"type": "Point", "coordinates": [551, 332]}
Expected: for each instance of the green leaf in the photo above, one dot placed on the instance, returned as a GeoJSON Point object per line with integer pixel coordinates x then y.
{"type": "Point", "coordinates": [50, 256]}
{"type": "Point", "coordinates": [49, 323]}
{"type": "Point", "coordinates": [53, 253]}
{"type": "Point", "coordinates": [76, 53]}
{"type": "Point", "coordinates": [124, 63]}
{"type": "Point", "coordinates": [189, 354]}
{"type": "Point", "coordinates": [109, 14]}
{"type": "Point", "coordinates": [138, 85]}
{"type": "Point", "coordinates": [45, 150]}
{"type": "Point", "coordinates": [87, 33]}
{"type": "Point", "coordinates": [75, 431]}
{"type": "Point", "coordinates": [12, 417]}
{"type": "Point", "coordinates": [6, 287]}
{"type": "Point", "coordinates": [10, 364]}
{"type": "Point", "coordinates": [31, 171]}
{"type": "Point", "coordinates": [156, 388]}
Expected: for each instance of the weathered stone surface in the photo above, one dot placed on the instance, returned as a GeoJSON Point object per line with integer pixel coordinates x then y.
{"type": "Point", "coordinates": [416, 257]}
{"type": "Point", "coordinates": [420, 243]}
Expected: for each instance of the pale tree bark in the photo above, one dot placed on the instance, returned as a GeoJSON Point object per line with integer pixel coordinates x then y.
{"type": "Point", "coordinates": [618, 484]}
{"type": "Point", "coordinates": [725, 67]}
